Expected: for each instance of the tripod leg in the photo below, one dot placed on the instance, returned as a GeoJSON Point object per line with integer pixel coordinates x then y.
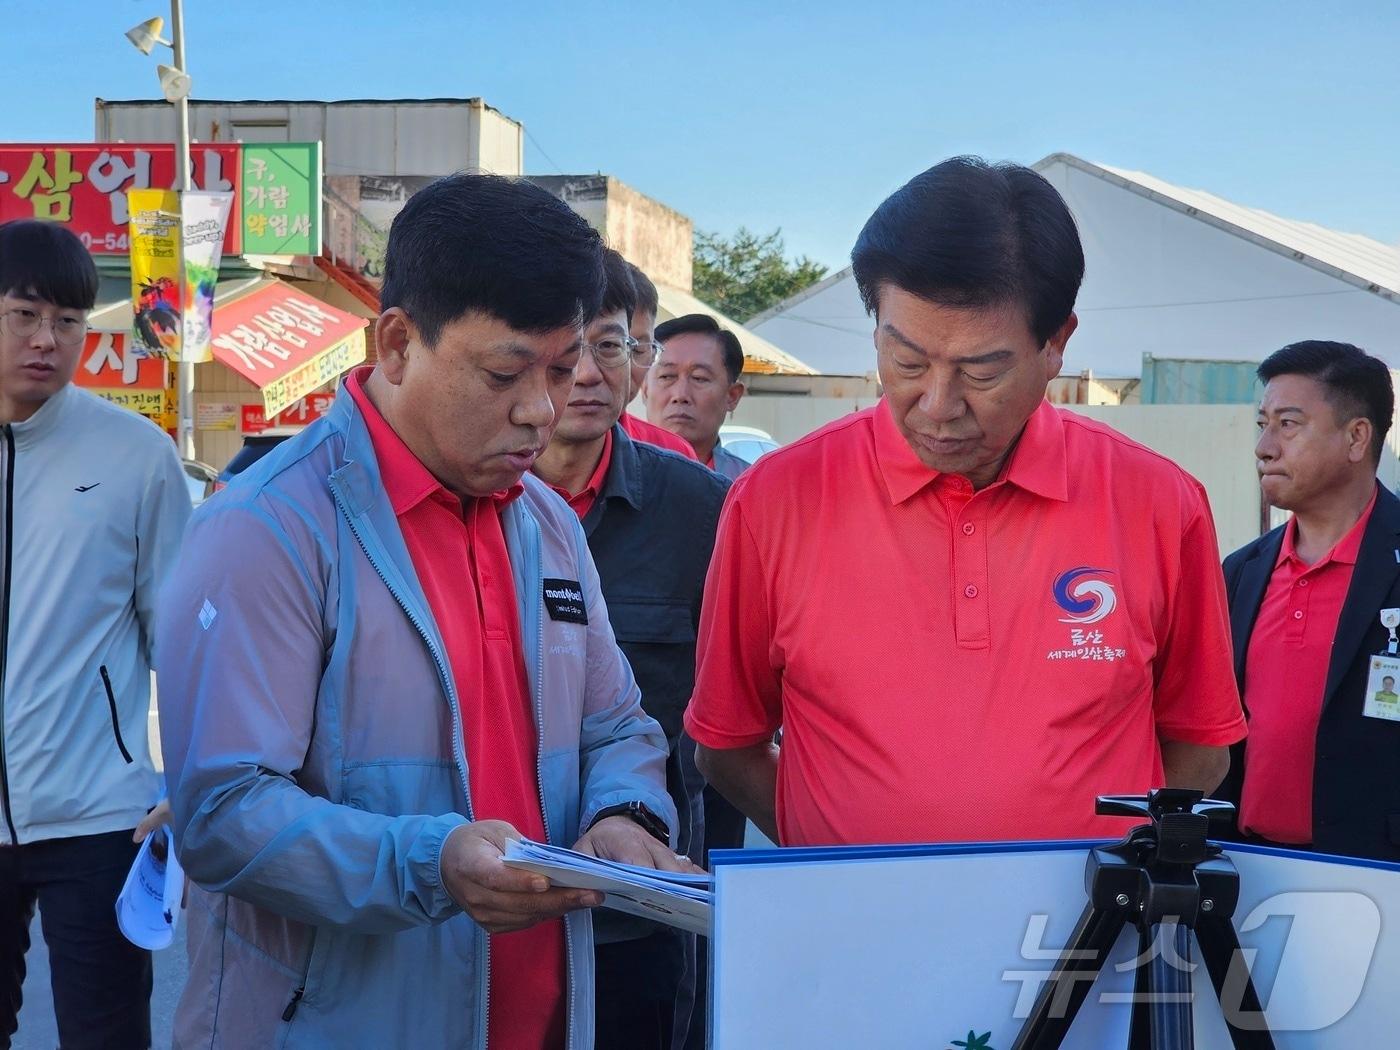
{"type": "Point", "coordinates": [1063, 994]}
{"type": "Point", "coordinates": [1234, 987]}
{"type": "Point", "coordinates": [1169, 987]}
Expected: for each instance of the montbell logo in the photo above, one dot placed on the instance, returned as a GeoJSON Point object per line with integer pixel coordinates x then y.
{"type": "Point", "coordinates": [1086, 600]}
{"type": "Point", "coordinates": [564, 594]}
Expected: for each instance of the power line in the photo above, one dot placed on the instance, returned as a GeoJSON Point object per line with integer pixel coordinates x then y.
{"type": "Point", "coordinates": [543, 154]}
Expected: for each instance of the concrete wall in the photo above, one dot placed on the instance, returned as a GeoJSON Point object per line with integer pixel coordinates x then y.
{"type": "Point", "coordinates": [410, 137]}
{"type": "Point", "coordinates": [656, 238]}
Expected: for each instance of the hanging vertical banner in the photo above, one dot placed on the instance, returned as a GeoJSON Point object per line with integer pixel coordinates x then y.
{"type": "Point", "coordinates": [202, 219]}
{"type": "Point", "coordinates": [156, 326]}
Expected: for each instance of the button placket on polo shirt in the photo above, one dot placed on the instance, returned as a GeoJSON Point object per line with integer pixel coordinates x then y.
{"type": "Point", "coordinates": [968, 539]}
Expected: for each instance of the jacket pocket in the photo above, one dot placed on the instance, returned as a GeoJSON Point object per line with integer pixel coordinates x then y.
{"type": "Point", "coordinates": [112, 707]}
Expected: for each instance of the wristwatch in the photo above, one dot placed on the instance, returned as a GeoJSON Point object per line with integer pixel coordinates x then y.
{"type": "Point", "coordinates": [650, 822]}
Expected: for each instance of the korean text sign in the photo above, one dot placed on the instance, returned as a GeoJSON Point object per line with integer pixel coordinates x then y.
{"type": "Point", "coordinates": [282, 199]}
{"type": "Point", "coordinates": [84, 185]}
{"type": "Point", "coordinates": [286, 343]}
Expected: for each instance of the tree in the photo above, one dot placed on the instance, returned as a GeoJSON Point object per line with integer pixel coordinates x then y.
{"type": "Point", "coordinates": [745, 274]}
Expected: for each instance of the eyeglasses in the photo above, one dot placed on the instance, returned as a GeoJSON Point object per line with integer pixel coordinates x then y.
{"type": "Point", "coordinates": [646, 352]}
{"type": "Point", "coordinates": [612, 353]}
{"type": "Point", "coordinates": [21, 322]}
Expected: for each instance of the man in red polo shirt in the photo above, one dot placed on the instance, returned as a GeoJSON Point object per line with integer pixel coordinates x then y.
{"type": "Point", "coordinates": [969, 611]}
{"type": "Point", "coordinates": [1308, 605]}
{"type": "Point", "coordinates": [392, 656]}
{"type": "Point", "coordinates": [643, 329]}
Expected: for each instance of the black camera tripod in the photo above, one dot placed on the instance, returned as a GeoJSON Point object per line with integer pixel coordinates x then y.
{"type": "Point", "coordinates": [1166, 880]}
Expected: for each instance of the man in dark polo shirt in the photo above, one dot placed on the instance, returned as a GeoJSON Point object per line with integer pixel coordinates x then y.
{"type": "Point", "coordinates": [650, 517]}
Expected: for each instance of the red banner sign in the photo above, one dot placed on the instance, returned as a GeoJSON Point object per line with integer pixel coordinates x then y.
{"type": "Point", "coordinates": [108, 363]}
{"type": "Point", "coordinates": [286, 343]}
{"type": "Point", "coordinates": [307, 410]}
{"type": "Point", "coordinates": [83, 185]}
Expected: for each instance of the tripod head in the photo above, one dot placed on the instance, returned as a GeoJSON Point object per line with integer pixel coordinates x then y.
{"type": "Point", "coordinates": [1165, 868]}
{"type": "Point", "coordinates": [1180, 820]}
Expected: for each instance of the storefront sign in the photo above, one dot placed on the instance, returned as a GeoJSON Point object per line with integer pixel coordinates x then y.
{"type": "Point", "coordinates": [307, 410]}
{"type": "Point", "coordinates": [282, 199]}
{"type": "Point", "coordinates": [107, 362]}
{"type": "Point", "coordinates": [84, 185]}
{"type": "Point", "coordinates": [286, 343]}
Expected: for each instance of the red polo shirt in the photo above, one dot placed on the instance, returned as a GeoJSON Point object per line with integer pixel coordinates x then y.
{"type": "Point", "coordinates": [950, 665]}
{"type": "Point", "coordinates": [581, 502]}
{"type": "Point", "coordinates": [639, 429]}
{"type": "Point", "coordinates": [459, 554]}
{"type": "Point", "coordinates": [1285, 678]}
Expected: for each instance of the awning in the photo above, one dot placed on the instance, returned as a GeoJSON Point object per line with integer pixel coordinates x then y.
{"type": "Point", "coordinates": [286, 342]}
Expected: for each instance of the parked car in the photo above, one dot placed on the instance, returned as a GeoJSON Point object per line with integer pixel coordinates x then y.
{"type": "Point", "coordinates": [748, 443]}
{"type": "Point", "coordinates": [201, 479]}
{"type": "Point", "coordinates": [255, 446]}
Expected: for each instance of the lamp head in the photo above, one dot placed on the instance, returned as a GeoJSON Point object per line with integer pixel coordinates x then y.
{"type": "Point", "coordinates": [175, 83]}
{"type": "Point", "coordinates": [147, 35]}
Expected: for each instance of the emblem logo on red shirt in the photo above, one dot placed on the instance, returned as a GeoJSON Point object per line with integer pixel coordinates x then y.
{"type": "Point", "coordinates": [1086, 599]}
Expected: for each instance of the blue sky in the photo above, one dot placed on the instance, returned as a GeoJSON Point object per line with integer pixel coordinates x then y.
{"type": "Point", "coordinates": [802, 115]}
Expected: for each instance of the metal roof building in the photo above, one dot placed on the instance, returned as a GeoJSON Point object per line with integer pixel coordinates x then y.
{"type": "Point", "coordinates": [1171, 272]}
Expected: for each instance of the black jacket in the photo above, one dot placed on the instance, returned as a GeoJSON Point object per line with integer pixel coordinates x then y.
{"type": "Point", "coordinates": [1356, 782]}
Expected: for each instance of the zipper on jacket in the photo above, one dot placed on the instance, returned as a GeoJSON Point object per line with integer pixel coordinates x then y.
{"type": "Point", "coordinates": [9, 438]}
{"type": "Point", "coordinates": [112, 706]}
{"type": "Point", "coordinates": [532, 554]}
{"type": "Point", "coordinates": [458, 744]}
{"type": "Point", "coordinates": [292, 1006]}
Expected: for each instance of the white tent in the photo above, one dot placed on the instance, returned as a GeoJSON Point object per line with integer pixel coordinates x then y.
{"type": "Point", "coordinates": [1171, 272]}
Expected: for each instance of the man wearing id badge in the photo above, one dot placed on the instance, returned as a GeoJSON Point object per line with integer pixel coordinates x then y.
{"type": "Point", "coordinates": [1314, 613]}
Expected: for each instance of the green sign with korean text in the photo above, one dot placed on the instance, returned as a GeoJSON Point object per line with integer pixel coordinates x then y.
{"type": "Point", "coordinates": [282, 198]}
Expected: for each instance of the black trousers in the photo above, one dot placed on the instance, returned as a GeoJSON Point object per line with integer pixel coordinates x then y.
{"type": "Point", "coordinates": [636, 985]}
{"type": "Point", "coordinates": [101, 981]}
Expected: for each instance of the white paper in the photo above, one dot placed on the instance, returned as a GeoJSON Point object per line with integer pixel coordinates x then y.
{"type": "Point", "coordinates": [683, 901]}
{"type": "Point", "coordinates": [148, 907]}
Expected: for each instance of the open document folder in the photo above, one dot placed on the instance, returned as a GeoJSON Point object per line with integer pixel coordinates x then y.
{"type": "Point", "coordinates": [684, 901]}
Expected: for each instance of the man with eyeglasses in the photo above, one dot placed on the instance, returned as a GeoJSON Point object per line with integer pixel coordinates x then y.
{"type": "Point", "coordinates": [93, 504]}
{"type": "Point", "coordinates": [644, 355]}
{"type": "Point", "coordinates": [650, 518]}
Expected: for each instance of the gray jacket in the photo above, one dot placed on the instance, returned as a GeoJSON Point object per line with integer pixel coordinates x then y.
{"type": "Point", "coordinates": [316, 759]}
{"type": "Point", "coordinates": [94, 504]}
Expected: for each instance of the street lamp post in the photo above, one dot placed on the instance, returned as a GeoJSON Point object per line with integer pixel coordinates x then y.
{"type": "Point", "coordinates": [175, 84]}
{"type": "Point", "coordinates": [185, 399]}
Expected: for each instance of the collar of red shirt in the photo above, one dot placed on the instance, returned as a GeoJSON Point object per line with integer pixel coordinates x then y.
{"type": "Point", "coordinates": [582, 501]}
{"type": "Point", "coordinates": [1345, 550]}
{"type": "Point", "coordinates": [1037, 463]}
{"type": "Point", "coordinates": [406, 481]}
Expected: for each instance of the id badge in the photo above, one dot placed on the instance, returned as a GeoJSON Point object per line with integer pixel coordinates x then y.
{"type": "Point", "coordinates": [1383, 688]}
{"type": "Point", "coordinates": [1383, 681]}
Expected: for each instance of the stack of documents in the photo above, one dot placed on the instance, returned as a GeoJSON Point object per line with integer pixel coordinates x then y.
{"type": "Point", "coordinates": [684, 901]}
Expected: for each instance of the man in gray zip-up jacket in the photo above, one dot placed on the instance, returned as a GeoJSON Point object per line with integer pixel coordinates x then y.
{"type": "Point", "coordinates": [325, 726]}
{"type": "Point", "coordinates": [93, 506]}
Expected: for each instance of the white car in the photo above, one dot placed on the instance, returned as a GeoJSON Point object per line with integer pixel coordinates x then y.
{"type": "Point", "coordinates": [748, 443]}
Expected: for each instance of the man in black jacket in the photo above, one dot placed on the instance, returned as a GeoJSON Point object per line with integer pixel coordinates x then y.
{"type": "Point", "coordinates": [650, 517]}
{"type": "Point", "coordinates": [1312, 607]}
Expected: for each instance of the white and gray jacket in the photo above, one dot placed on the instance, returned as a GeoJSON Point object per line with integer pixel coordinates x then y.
{"type": "Point", "coordinates": [93, 504]}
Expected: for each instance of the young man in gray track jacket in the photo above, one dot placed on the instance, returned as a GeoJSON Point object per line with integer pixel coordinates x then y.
{"type": "Point", "coordinates": [391, 656]}
{"type": "Point", "coordinates": [93, 503]}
